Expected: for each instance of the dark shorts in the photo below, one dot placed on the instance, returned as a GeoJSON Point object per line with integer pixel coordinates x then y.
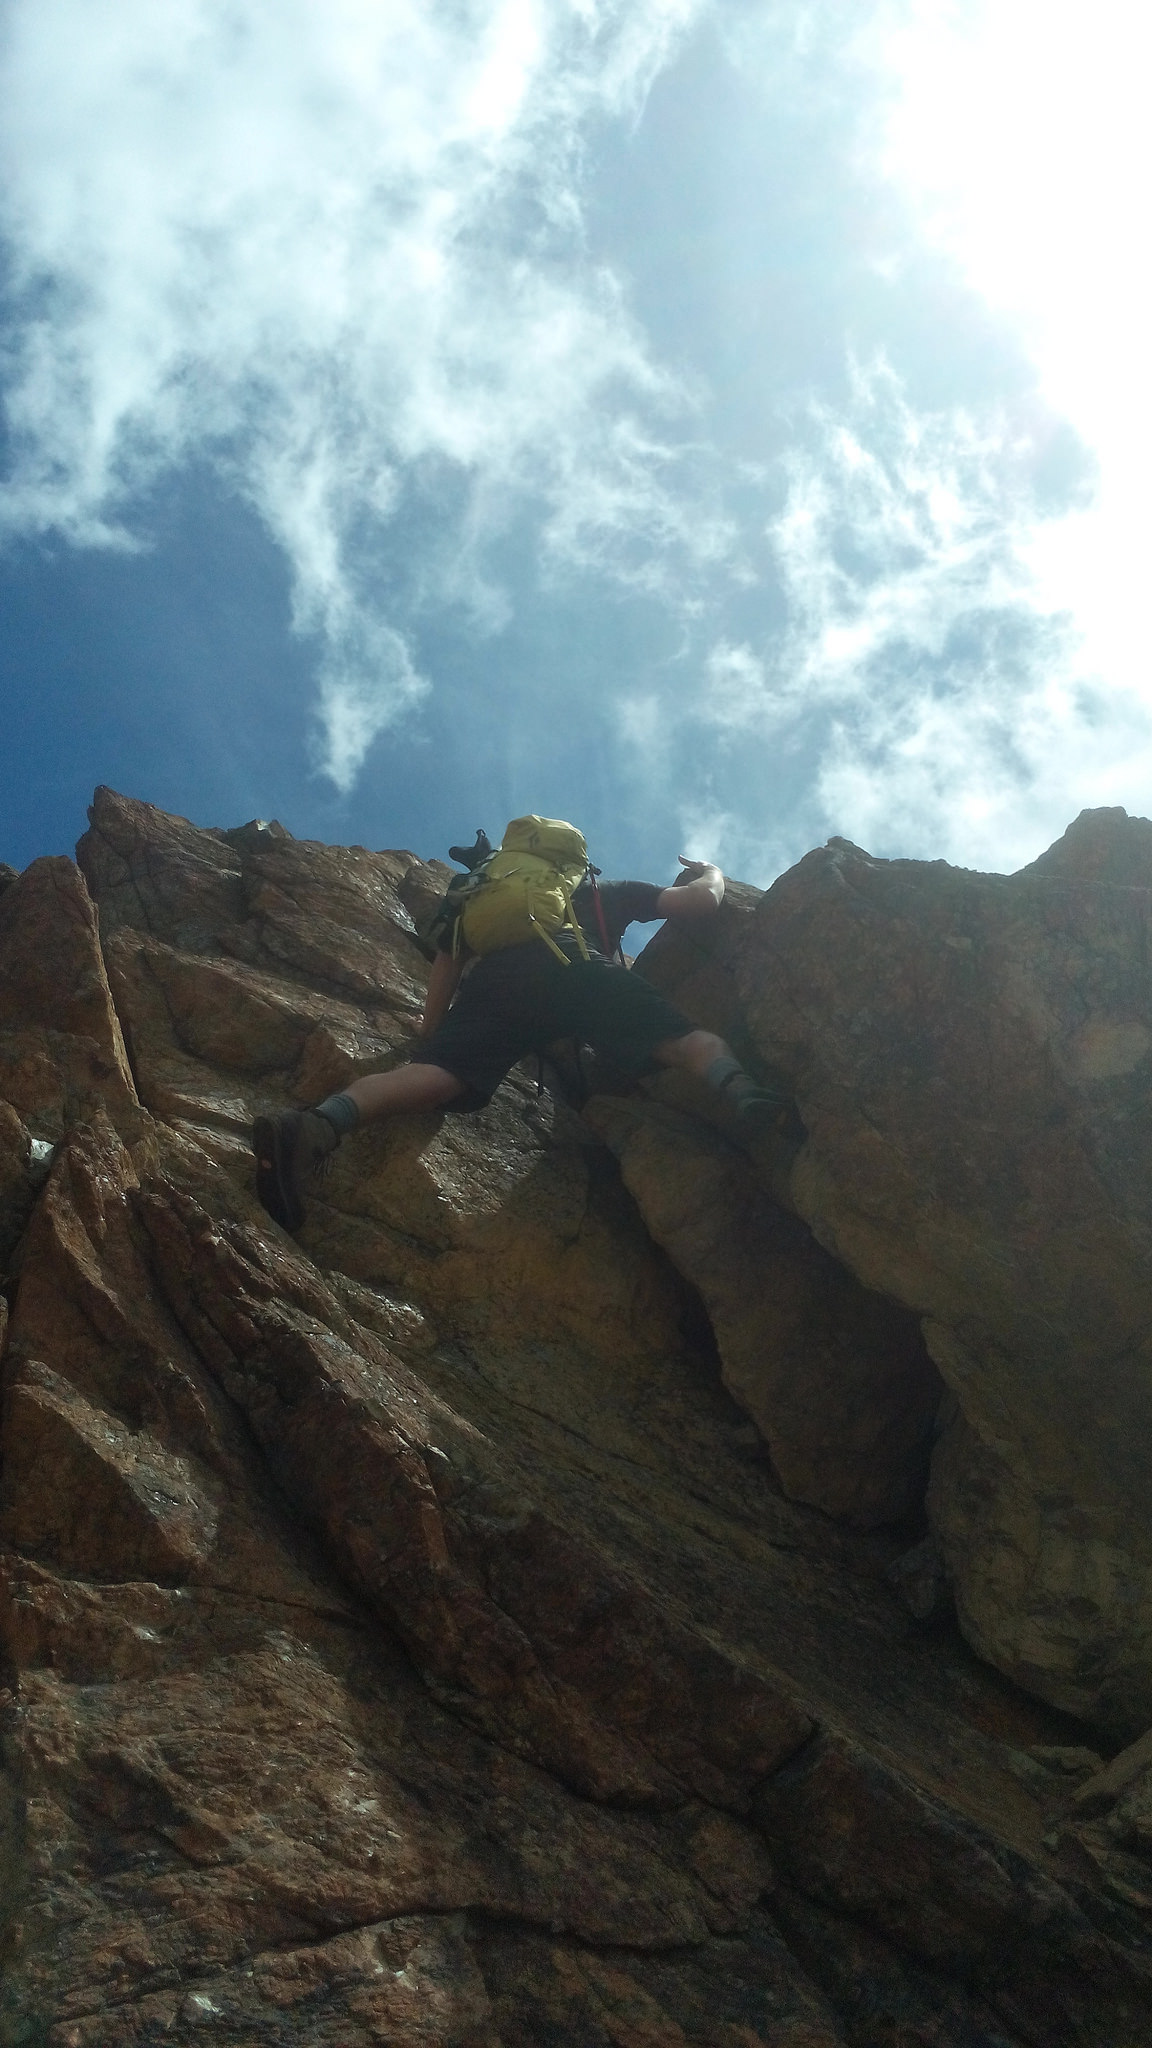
{"type": "Point", "coordinates": [519, 1000]}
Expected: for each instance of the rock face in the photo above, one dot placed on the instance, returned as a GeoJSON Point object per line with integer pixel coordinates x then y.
{"type": "Point", "coordinates": [972, 1056]}
{"type": "Point", "coordinates": [468, 1624]}
{"type": "Point", "coordinates": [837, 1379]}
{"type": "Point", "coordinates": [60, 1039]}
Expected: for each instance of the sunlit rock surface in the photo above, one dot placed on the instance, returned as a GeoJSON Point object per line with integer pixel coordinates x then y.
{"type": "Point", "coordinates": [471, 1623]}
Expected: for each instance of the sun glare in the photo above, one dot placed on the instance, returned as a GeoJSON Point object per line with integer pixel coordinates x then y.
{"type": "Point", "coordinates": [1019, 133]}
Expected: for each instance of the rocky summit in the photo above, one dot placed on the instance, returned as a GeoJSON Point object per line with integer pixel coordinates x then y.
{"type": "Point", "coordinates": [593, 1586]}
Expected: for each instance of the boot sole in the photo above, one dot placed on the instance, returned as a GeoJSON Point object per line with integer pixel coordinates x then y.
{"type": "Point", "coordinates": [274, 1188]}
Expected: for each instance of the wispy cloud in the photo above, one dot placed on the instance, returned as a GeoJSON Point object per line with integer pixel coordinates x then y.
{"type": "Point", "coordinates": [1017, 139]}
{"type": "Point", "coordinates": [946, 699]}
{"type": "Point", "coordinates": [961, 657]}
{"type": "Point", "coordinates": [338, 254]}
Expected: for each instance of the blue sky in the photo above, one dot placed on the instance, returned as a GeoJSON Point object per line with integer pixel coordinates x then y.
{"type": "Point", "coordinates": [721, 424]}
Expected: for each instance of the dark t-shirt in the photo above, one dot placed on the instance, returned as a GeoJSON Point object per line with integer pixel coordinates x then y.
{"type": "Point", "coordinates": [623, 903]}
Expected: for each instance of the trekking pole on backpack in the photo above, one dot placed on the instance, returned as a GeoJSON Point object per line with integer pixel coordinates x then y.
{"type": "Point", "coordinates": [471, 856]}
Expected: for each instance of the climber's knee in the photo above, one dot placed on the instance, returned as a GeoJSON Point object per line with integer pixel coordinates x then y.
{"type": "Point", "coordinates": [695, 1052]}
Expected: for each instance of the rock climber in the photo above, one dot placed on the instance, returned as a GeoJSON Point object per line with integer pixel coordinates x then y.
{"type": "Point", "coordinates": [485, 1011]}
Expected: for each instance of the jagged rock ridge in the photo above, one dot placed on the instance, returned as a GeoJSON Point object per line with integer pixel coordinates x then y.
{"type": "Point", "coordinates": [470, 1623]}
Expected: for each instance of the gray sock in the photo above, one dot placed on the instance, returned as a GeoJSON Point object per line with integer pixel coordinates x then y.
{"type": "Point", "coordinates": [731, 1081]}
{"type": "Point", "coordinates": [340, 1111]}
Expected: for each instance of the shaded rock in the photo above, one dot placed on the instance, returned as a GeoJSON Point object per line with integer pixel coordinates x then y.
{"type": "Point", "coordinates": [8, 875]}
{"type": "Point", "coordinates": [918, 1578]}
{"type": "Point", "coordinates": [1130, 1822]}
{"type": "Point", "coordinates": [401, 1626]}
{"type": "Point", "coordinates": [745, 1993]}
{"type": "Point", "coordinates": [1070, 1760]}
{"type": "Point", "coordinates": [886, 2000]}
{"type": "Point", "coordinates": [837, 1380]}
{"type": "Point", "coordinates": [1103, 845]}
{"type": "Point", "coordinates": [507, 1226]}
{"type": "Point", "coordinates": [257, 1777]}
{"type": "Point", "coordinates": [257, 832]}
{"type": "Point", "coordinates": [413, 1978]}
{"type": "Point", "coordinates": [1106, 1785]}
{"type": "Point", "coordinates": [274, 1788]}
{"type": "Point", "coordinates": [89, 1483]}
{"type": "Point", "coordinates": [517, 1619]}
{"type": "Point", "coordinates": [1106, 1827]}
{"type": "Point", "coordinates": [973, 1066]}
{"type": "Point", "coordinates": [860, 1838]}
{"type": "Point", "coordinates": [1050, 1583]}
{"type": "Point", "coordinates": [421, 889]}
{"type": "Point", "coordinates": [121, 1460]}
{"type": "Point", "coordinates": [61, 1048]}
{"type": "Point", "coordinates": [17, 1183]}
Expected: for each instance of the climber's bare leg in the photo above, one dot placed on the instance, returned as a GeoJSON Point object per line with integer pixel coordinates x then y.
{"type": "Point", "coordinates": [757, 1108]}
{"type": "Point", "coordinates": [403, 1088]}
{"type": "Point", "coordinates": [694, 1053]}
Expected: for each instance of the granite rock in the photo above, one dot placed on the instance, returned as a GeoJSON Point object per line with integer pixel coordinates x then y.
{"type": "Point", "coordinates": [971, 1057]}
{"type": "Point", "coordinates": [836, 1379]}
{"type": "Point", "coordinates": [61, 1047]}
{"type": "Point", "coordinates": [407, 1633]}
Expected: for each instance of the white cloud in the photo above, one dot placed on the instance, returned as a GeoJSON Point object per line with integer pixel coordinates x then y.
{"type": "Point", "coordinates": [337, 252]}
{"type": "Point", "coordinates": [640, 722]}
{"type": "Point", "coordinates": [1048, 219]}
{"type": "Point", "coordinates": [1017, 134]}
{"type": "Point", "coordinates": [738, 695]}
{"type": "Point", "coordinates": [710, 832]}
{"type": "Point", "coordinates": [966, 665]}
{"type": "Point", "coordinates": [953, 709]}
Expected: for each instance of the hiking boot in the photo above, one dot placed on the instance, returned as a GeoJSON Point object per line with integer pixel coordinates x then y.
{"type": "Point", "coordinates": [756, 1112]}
{"type": "Point", "coordinates": [763, 1120]}
{"type": "Point", "coordinates": [290, 1150]}
{"type": "Point", "coordinates": [770, 1131]}
{"type": "Point", "coordinates": [755, 1108]}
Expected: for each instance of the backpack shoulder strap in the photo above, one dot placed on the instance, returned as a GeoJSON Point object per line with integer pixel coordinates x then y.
{"type": "Point", "coordinates": [611, 951]}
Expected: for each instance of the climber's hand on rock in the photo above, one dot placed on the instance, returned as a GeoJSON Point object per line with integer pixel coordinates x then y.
{"type": "Point", "coordinates": [697, 891]}
{"type": "Point", "coordinates": [693, 869]}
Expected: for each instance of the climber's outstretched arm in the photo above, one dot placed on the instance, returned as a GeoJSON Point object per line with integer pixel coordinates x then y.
{"type": "Point", "coordinates": [698, 892]}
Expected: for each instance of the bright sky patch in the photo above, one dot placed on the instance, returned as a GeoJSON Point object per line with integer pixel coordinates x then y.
{"type": "Point", "coordinates": [711, 422]}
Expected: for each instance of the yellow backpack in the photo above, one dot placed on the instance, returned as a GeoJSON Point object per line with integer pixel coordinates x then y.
{"type": "Point", "coordinates": [524, 891]}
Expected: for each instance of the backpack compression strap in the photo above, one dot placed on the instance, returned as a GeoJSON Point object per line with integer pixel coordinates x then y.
{"type": "Point", "coordinates": [572, 922]}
